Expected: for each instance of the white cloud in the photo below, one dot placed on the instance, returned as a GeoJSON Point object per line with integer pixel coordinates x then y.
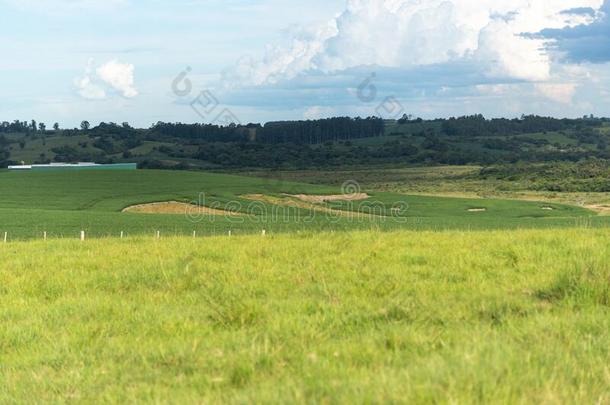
{"type": "Point", "coordinates": [411, 33]}
{"type": "Point", "coordinates": [89, 90]}
{"type": "Point", "coordinates": [506, 54]}
{"type": "Point", "coordinates": [458, 56]}
{"type": "Point", "coordinates": [120, 76]}
{"type": "Point", "coordinates": [283, 62]}
{"type": "Point", "coordinates": [111, 75]}
{"type": "Point", "coordinates": [86, 86]}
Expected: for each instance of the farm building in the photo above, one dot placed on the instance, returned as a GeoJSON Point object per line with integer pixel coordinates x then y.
{"type": "Point", "coordinates": [74, 167]}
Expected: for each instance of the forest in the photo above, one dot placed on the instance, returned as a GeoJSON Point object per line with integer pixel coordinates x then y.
{"type": "Point", "coordinates": [332, 142]}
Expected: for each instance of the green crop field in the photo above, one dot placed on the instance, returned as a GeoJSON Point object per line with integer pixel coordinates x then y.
{"type": "Point", "coordinates": [62, 204]}
{"type": "Point", "coordinates": [356, 317]}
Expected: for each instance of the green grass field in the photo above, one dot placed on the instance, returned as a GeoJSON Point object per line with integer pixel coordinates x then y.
{"type": "Point", "coordinates": [432, 299]}
{"type": "Point", "coordinates": [63, 204]}
{"type": "Point", "coordinates": [356, 317]}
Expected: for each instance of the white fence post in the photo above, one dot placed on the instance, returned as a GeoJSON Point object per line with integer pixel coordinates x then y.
{"type": "Point", "coordinates": [194, 234]}
{"type": "Point", "coordinates": [264, 232]}
{"type": "Point", "coordinates": [5, 237]}
{"type": "Point", "coordinates": [229, 233]}
{"type": "Point", "coordinates": [44, 235]}
{"type": "Point", "coordinates": [158, 234]}
{"type": "Point", "coordinates": [82, 235]}
{"type": "Point", "coordinates": [121, 234]}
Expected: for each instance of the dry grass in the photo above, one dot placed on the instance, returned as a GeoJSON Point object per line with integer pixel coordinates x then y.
{"type": "Point", "coordinates": [320, 199]}
{"type": "Point", "coordinates": [602, 209]}
{"type": "Point", "coordinates": [314, 204]}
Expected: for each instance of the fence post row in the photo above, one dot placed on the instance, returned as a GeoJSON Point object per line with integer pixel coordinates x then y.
{"type": "Point", "coordinates": [122, 235]}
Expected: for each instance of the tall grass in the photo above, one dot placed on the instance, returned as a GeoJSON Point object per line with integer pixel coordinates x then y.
{"type": "Point", "coordinates": [453, 317]}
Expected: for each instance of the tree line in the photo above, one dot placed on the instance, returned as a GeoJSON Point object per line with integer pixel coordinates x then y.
{"type": "Point", "coordinates": [309, 132]}
{"type": "Point", "coordinates": [478, 125]}
{"type": "Point", "coordinates": [25, 127]}
{"type": "Point", "coordinates": [314, 143]}
{"type": "Point", "coordinates": [312, 132]}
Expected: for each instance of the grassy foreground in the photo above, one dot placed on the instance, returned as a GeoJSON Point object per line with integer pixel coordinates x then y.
{"type": "Point", "coordinates": [512, 316]}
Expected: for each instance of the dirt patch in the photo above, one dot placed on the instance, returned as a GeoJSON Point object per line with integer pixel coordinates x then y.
{"type": "Point", "coordinates": [319, 199]}
{"type": "Point", "coordinates": [175, 208]}
{"type": "Point", "coordinates": [477, 209]}
{"type": "Point", "coordinates": [602, 209]}
{"type": "Point", "coordinates": [294, 201]}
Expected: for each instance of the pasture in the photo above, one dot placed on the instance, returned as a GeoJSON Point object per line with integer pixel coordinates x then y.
{"type": "Point", "coordinates": [417, 298]}
{"type": "Point", "coordinates": [355, 317]}
{"type": "Point", "coordinates": [63, 204]}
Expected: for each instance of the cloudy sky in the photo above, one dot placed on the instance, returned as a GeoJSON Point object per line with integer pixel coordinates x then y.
{"type": "Point", "coordinates": [144, 61]}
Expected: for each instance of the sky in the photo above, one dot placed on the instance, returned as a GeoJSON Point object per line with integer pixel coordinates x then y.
{"type": "Point", "coordinates": [222, 61]}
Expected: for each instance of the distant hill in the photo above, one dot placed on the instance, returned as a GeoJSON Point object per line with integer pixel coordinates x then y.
{"type": "Point", "coordinates": [332, 142]}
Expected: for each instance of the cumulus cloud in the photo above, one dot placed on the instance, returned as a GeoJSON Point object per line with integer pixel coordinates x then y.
{"type": "Point", "coordinates": [86, 86]}
{"type": "Point", "coordinates": [425, 53]}
{"type": "Point", "coordinates": [112, 75]}
{"type": "Point", "coordinates": [414, 33]}
{"type": "Point", "coordinates": [120, 76]}
{"type": "Point", "coordinates": [283, 61]}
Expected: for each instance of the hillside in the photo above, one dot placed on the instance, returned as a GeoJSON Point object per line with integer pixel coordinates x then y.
{"type": "Point", "coordinates": [335, 142]}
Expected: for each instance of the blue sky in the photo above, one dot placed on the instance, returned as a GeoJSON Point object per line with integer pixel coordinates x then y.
{"type": "Point", "coordinates": [116, 60]}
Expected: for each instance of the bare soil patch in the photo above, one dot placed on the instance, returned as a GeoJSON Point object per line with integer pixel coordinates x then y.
{"type": "Point", "coordinates": [602, 209]}
{"type": "Point", "coordinates": [175, 208]}
{"type": "Point", "coordinates": [318, 199]}
{"type": "Point", "coordinates": [295, 201]}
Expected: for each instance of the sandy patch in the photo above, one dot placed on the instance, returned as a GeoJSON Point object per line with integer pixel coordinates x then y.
{"type": "Point", "coordinates": [477, 210]}
{"type": "Point", "coordinates": [175, 208]}
{"type": "Point", "coordinates": [319, 199]}
{"type": "Point", "coordinates": [602, 209]}
{"type": "Point", "coordinates": [294, 201]}
{"type": "Point", "coordinates": [548, 208]}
